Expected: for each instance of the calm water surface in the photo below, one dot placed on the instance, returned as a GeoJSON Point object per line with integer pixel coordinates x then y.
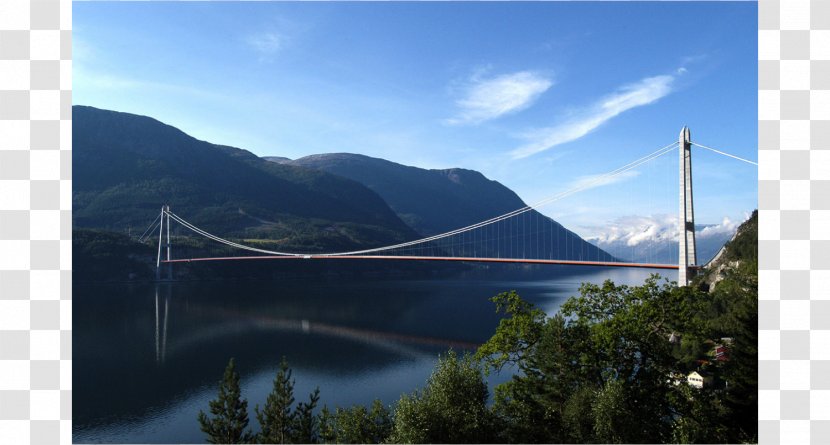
{"type": "Point", "coordinates": [147, 358]}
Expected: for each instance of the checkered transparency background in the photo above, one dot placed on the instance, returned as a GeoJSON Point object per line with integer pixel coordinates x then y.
{"type": "Point", "coordinates": [794, 224]}
{"type": "Point", "coordinates": [35, 221]}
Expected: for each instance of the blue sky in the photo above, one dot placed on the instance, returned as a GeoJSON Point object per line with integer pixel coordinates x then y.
{"type": "Point", "coordinates": [539, 96]}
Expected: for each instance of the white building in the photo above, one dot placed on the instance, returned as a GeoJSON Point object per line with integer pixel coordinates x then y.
{"type": "Point", "coordinates": [697, 380]}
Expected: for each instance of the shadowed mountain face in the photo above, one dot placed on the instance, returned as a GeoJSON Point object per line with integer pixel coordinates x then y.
{"type": "Point", "coordinates": [126, 166]}
{"type": "Point", "coordinates": [437, 201]}
{"type": "Point", "coordinates": [430, 201]}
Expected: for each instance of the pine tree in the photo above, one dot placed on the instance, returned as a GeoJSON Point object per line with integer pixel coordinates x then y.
{"type": "Point", "coordinates": [328, 426]}
{"type": "Point", "coordinates": [229, 412]}
{"type": "Point", "coordinates": [305, 430]}
{"type": "Point", "coordinates": [276, 420]}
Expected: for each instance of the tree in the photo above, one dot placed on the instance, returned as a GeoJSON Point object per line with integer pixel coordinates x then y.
{"type": "Point", "coordinates": [609, 413]}
{"type": "Point", "coordinates": [547, 352]}
{"type": "Point", "coordinates": [737, 298]}
{"type": "Point", "coordinates": [703, 419]}
{"type": "Point", "coordinates": [305, 422]}
{"type": "Point", "coordinates": [229, 421]}
{"type": "Point", "coordinates": [380, 422]}
{"type": "Point", "coordinates": [516, 334]}
{"type": "Point", "coordinates": [276, 420]}
{"type": "Point", "coordinates": [328, 426]}
{"type": "Point", "coordinates": [356, 424]}
{"type": "Point", "coordinates": [598, 370]}
{"type": "Point", "coordinates": [450, 409]}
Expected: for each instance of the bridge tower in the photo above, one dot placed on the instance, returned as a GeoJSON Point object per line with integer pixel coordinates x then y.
{"type": "Point", "coordinates": [164, 223]}
{"type": "Point", "coordinates": [686, 221]}
{"type": "Point", "coordinates": [169, 246]}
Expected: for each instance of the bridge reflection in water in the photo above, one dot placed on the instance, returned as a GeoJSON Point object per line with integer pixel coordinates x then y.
{"type": "Point", "coordinates": [238, 322]}
{"type": "Point", "coordinates": [161, 345]}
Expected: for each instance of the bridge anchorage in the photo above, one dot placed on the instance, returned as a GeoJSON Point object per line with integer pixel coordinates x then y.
{"type": "Point", "coordinates": [495, 240]}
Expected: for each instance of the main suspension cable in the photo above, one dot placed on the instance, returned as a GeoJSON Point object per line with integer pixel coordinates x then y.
{"type": "Point", "coordinates": [725, 154]}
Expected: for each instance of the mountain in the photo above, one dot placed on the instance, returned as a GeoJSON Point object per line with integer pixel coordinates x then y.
{"type": "Point", "coordinates": [739, 255]}
{"type": "Point", "coordinates": [437, 201]}
{"type": "Point", "coordinates": [127, 166]}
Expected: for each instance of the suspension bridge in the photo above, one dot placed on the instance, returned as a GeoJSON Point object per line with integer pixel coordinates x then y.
{"type": "Point", "coordinates": [521, 236]}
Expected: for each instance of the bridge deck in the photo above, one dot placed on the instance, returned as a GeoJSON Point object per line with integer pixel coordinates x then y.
{"type": "Point", "coordinates": [429, 258]}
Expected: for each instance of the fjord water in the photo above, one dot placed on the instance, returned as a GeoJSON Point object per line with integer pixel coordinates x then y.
{"type": "Point", "coordinates": [147, 358]}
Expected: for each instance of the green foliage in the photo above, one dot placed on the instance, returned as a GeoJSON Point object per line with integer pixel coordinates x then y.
{"type": "Point", "coordinates": [602, 370]}
{"type": "Point", "coordinates": [736, 297]}
{"type": "Point", "coordinates": [328, 426]}
{"type": "Point", "coordinates": [734, 314]}
{"type": "Point", "coordinates": [577, 415]}
{"type": "Point", "coordinates": [515, 334]}
{"type": "Point", "coordinates": [740, 254]}
{"type": "Point", "coordinates": [609, 413]}
{"type": "Point", "coordinates": [532, 403]}
{"type": "Point", "coordinates": [229, 421]}
{"type": "Point", "coordinates": [356, 424]}
{"type": "Point", "coordinates": [704, 419]}
{"type": "Point", "coordinates": [566, 362]}
{"type": "Point", "coordinates": [306, 422]}
{"type": "Point", "coordinates": [745, 245]}
{"type": "Point", "coordinates": [450, 409]}
{"type": "Point", "coordinates": [276, 418]}
{"type": "Point", "coordinates": [278, 422]}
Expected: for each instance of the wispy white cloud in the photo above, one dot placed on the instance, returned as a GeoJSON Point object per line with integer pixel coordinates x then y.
{"type": "Point", "coordinates": [489, 98]}
{"type": "Point", "coordinates": [266, 44]}
{"type": "Point", "coordinates": [630, 96]}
